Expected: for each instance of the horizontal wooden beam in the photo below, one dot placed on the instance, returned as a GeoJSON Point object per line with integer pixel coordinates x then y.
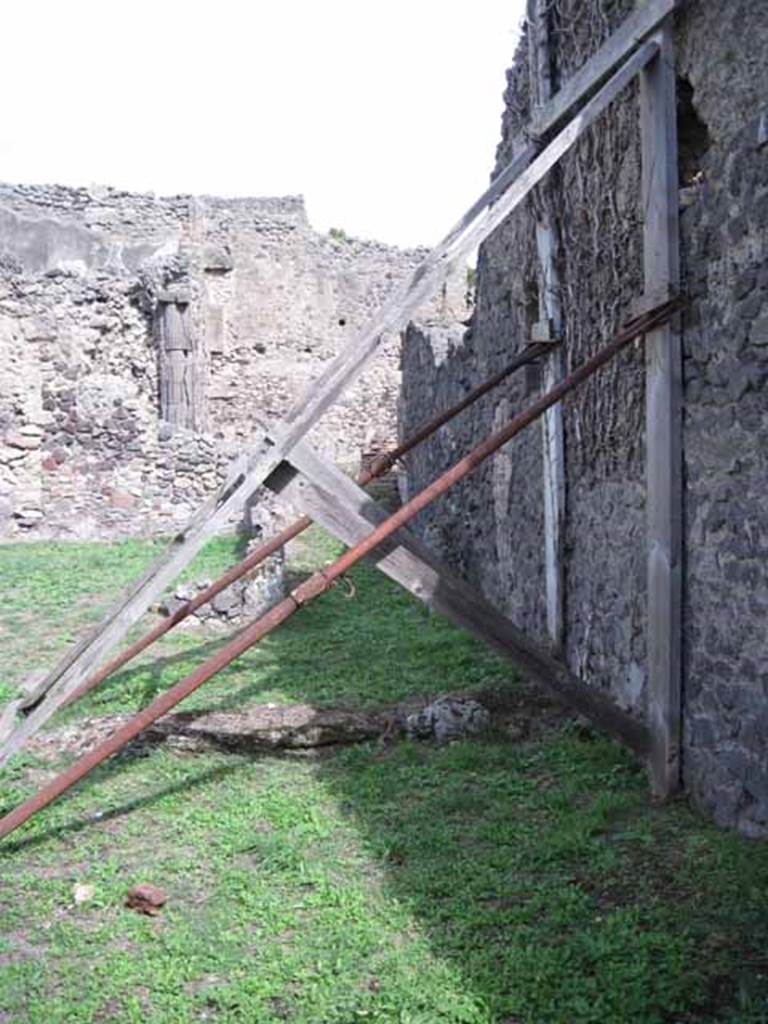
{"type": "Point", "coordinates": [334, 501]}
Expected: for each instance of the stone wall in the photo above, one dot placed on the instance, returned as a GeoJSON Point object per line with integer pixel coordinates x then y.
{"type": "Point", "coordinates": [724, 55]}
{"type": "Point", "coordinates": [492, 527]}
{"type": "Point", "coordinates": [143, 341]}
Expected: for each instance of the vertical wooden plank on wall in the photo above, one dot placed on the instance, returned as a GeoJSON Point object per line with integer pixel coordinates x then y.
{"type": "Point", "coordinates": [553, 448]}
{"type": "Point", "coordinates": [658, 118]}
{"type": "Point", "coordinates": [550, 311]}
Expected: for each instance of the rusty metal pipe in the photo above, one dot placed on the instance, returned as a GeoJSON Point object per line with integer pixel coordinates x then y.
{"type": "Point", "coordinates": [457, 472]}
{"type": "Point", "coordinates": [322, 580]}
{"type": "Point", "coordinates": [378, 468]}
{"type": "Point", "coordinates": [153, 711]}
{"type": "Point", "coordinates": [233, 574]}
{"type": "Point", "coordinates": [528, 355]}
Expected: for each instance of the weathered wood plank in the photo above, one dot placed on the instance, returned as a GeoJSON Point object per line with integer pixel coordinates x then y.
{"type": "Point", "coordinates": [8, 719]}
{"type": "Point", "coordinates": [542, 164]}
{"type": "Point", "coordinates": [245, 478]}
{"type": "Point", "coordinates": [553, 448]}
{"type": "Point", "coordinates": [344, 509]}
{"type": "Point", "coordinates": [550, 309]}
{"type": "Point", "coordinates": [635, 28]}
{"type": "Point", "coordinates": [249, 473]}
{"type": "Point", "coordinates": [663, 419]}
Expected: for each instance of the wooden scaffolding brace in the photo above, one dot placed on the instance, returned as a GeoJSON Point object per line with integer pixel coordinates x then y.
{"type": "Point", "coordinates": [283, 461]}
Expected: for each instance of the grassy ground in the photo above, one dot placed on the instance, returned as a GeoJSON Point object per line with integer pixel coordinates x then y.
{"type": "Point", "coordinates": [486, 882]}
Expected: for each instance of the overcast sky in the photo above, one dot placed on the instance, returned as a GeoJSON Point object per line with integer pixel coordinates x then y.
{"type": "Point", "coordinates": [384, 115]}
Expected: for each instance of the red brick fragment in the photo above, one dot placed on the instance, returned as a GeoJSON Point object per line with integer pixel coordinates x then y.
{"type": "Point", "coordinates": [145, 898]}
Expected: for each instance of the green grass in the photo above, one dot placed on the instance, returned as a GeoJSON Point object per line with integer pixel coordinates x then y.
{"type": "Point", "coordinates": [485, 882]}
{"type": "Point", "coordinates": [348, 650]}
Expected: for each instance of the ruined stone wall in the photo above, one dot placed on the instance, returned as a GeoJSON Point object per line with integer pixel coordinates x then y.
{"type": "Point", "coordinates": [493, 527]}
{"type": "Point", "coordinates": [143, 341]}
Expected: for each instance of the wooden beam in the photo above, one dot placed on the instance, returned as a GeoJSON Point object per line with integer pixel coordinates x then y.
{"type": "Point", "coordinates": [648, 301]}
{"type": "Point", "coordinates": [457, 246]}
{"type": "Point", "coordinates": [346, 511]}
{"type": "Point", "coordinates": [550, 309]}
{"type": "Point", "coordinates": [8, 719]}
{"type": "Point", "coordinates": [614, 50]}
{"type": "Point", "coordinates": [553, 445]}
{"type": "Point", "coordinates": [495, 215]}
{"type": "Point", "coordinates": [664, 502]}
{"type": "Point", "coordinates": [46, 697]}
{"type": "Point", "coordinates": [248, 473]}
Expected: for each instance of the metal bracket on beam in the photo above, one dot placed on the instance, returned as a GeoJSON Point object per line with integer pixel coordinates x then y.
{"type": "Point", "coordinates": [544, 333]}
{"type": "Point", "coordinates": [649, 301]}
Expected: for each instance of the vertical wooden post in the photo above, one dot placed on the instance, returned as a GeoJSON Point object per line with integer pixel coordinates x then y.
{"type": "Point", "coordinates": [551, 313]}
{"type": "Point", "coordinates": [658, 118]}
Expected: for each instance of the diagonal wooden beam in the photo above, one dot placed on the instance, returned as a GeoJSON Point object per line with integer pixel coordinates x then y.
{"type": "Point", "coordinates": [249, 473]}
{"type": "Point", "coordinates": [345, 510]}
{"type": "Point", "coordinates": [12, 730]}
{"type": "Point", "coordinates": [636, 27]}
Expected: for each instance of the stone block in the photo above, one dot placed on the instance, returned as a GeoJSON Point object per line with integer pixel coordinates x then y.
{"type": "Point", "coordinates": [214, 329]}
{"type": "Point", "coordinates": [217, 258]}
{"type": "Point", "coordinates": [122, 500]}
{"type": "Point", "coordinates": [758, 332]}
{"type": "Point", "coordinates": [29, 514]}
{"type": "Point", "coordinates": [175, 296]}
{"type": "Point", "coordinates": [16, 439]}
{"type": "Point", "coordinates": [448, 718]}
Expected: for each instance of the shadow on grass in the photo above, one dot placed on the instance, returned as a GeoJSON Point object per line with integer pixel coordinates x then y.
{"type": "Point", "coordinates": [543, 873]}
{"type": "Point", "coordinates": [102, 773]}
{"type": "Point", "coordinates": [538, 871]}
{"type": "Point", "coordinates": [147, 680]}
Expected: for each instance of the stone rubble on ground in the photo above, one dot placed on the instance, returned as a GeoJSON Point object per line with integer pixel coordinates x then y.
{"type": "Point", "coordinates": [448, 718]}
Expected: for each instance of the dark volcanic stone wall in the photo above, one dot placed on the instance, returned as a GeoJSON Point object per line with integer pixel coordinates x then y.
{"type": "Point", "coordinates": [724, 55]}
{"type": "Point", "coordinates": [502, 545]}
{"type": "Point", "coordinates": [493, 527]}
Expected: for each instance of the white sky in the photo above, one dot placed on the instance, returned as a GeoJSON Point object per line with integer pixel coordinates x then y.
{"type": "Point", "coordinates": [384, 115]}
